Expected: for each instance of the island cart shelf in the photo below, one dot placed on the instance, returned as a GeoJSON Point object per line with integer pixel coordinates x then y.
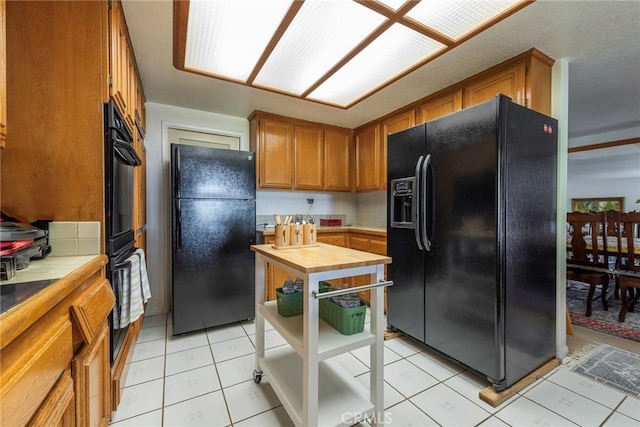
{"type": "Point", "coordinates": [313, 389]}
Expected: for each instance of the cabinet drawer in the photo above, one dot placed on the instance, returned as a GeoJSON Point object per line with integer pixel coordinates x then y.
{"type": "Point", "coordinates": [30, 369]}
{"type": "Point", "coordinates": [378, 247]}
{"type": "Point", "coordinates": [335, 239]}
{"type": "Point", "coordinates": [92, 308]}
{"type": "Point", "coordinates": [359, 243]}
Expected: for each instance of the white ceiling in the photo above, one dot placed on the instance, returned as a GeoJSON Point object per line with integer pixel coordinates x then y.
{"type": "Point", "coordinates": [599, 39]}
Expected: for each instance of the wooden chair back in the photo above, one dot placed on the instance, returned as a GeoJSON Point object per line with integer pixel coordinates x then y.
{"type": "Point", "coordinates": [594, 226]}
{"type": "Point", "coordinates": [631, 225]}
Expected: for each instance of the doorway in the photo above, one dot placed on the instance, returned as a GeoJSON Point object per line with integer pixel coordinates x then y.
{"type": "Point", "coordinates": [203, 139]}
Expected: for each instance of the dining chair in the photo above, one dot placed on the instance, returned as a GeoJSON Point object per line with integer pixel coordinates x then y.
{"type": "Point", "coordinates": [629, 277]}
{"type": "Point", "coordinates": [586, 255]}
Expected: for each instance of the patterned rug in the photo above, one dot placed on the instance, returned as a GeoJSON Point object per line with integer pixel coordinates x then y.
{"type": "Point", "coordinates": [600, 320]}
{"type": "Point", "coordinates": [613, 367]}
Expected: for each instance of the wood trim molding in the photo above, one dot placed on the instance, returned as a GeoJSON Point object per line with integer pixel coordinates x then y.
{"type": "Point", "coordinates": [180, 22]}
{"type": "Point", "coordinates": [604, 145]}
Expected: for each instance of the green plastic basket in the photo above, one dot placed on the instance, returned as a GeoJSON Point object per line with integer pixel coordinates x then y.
{"type": "Point", "coordinates": [347, 321]}
{"type": "Point", "coordinates": [289, 304]}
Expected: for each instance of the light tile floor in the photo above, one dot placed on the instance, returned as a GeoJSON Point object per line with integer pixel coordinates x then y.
{"type": "Point", "coordinates": [206, 379]}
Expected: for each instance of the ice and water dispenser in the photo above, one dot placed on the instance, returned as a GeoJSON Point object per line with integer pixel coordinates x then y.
{"type": "Point", "coordinates": [403, 212]}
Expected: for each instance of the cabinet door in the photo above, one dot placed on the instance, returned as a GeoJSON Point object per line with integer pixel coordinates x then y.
{"type": "Point", "coordinates": [140, 115]}
{"type": "Point", "coordinates": [510, 81]}
{"type": "Point", "coordinates": [393, 124]}
{"type": "Point", "coordinates": [118, 58]}
{"type": "Point", "coordinates": [440, 106]}
{"type": "Point", "coordinates": [59, 408]}
{"type": "Point", "coordinates": [360, 243]}
{"type": "Point", "coordinates": [3, 74]}
{"type": "Point", "coordinates": [309, 154]}
{"type": "Point", "coordinates": [275, 153]}
{"type": "Point", "coordinates": [368, 158]}
{"type": "Point", "coordinates": [337, 160]}
{"type": "Point", "coordinates": [92, 381]}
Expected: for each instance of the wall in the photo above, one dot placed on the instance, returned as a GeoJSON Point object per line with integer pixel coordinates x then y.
{"type": "Point", "coordinates": [606, 172]}
{"type": "Point", "coordinates": [159, 118]}
{"type": "Point", "coordinates": [269, 202]}
{"type": "Point", "coordinates": [372, 209]}
{"type": "Point", "coordinates": [629, 188]}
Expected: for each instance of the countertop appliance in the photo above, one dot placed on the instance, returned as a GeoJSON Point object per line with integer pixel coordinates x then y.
{"type": "Point", "coordinates": [213, 225]}
{"type": "Point", "coordinates": [472, 232]}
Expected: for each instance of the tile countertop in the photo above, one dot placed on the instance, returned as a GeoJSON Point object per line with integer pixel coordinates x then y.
{"type": "Point", "coordinates": [52, 267]}
{"type": "Point", "coordinates": [40, 275]}
{"type": "Point", "coordinates": [338, 229]}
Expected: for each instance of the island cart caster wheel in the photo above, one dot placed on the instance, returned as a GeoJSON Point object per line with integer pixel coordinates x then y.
{"type": "Point", "coordinates": [257, 377]}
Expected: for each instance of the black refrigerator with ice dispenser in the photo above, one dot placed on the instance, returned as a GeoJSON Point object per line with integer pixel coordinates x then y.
{"type": "Point", "coordinates": [472, 232]}
{"type": "Point", "coordinates": [212, 228]}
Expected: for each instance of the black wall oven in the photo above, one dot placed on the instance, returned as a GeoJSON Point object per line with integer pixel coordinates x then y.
{"type": "Point", "coordinates": [120, 159]}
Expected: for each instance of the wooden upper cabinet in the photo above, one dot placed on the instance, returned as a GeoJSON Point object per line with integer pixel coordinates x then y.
{"type": "Point", "coordinates": [393, 124]}
{"type": "Point", "coordinates": [526, 79]}
{"type": "Point", "coordinates": [3, 74]}
{"type": "Point", "coordinates": [337, 160]}
{"type": "Point", "coordinates": [440, 106]}
{"type": "Point", "coordinates": [300, 155]}
{"type": "Point", "coordinates": [309, 155]}
{"type": "Point", "coordinates": [125, 86]}
{"type": "Point", "coordinates": [118, 58]}
{"type": "Point", "coordinates": [367, 147]}
{"type": "Point", "coordinates": [140, 116]}
{"type": "Point", "coordinates": [509, 82]}
{"type": "Point", "coordinates": [275, 153]}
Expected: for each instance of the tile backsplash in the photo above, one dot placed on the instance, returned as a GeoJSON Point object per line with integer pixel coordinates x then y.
{"type": "Point", "coordinates": [68, 238]}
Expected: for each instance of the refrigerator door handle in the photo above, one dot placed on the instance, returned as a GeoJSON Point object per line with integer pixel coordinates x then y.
{"type": "Point", "coordinates": [415, 206]}
{"type": "Point", "coordinates": [176, 173]}
{"type": "Point", "coordinates": [178, 225]}
{"type": "Point", "coordinates": [424, 203]}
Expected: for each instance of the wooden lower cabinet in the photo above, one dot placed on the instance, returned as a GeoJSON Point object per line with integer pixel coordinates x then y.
{"type": "Point", "coordinates": [59, 408]}
{"type": "Point", "coordinates": [54, 360]}
{"type": "Point", "coordinates": [368, 243]}
{"type": "Point", "coordinates": [92, 381]}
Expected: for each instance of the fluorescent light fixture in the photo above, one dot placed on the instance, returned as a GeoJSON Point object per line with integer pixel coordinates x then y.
{"type": "Point", "coordinates": [335, 52]}
{"type": "Point", "coordinates": [455, 18]}
{"type": "Point", "coordinates": [226, 38]}
{"type": "Point", "coordinates": [396, 50]}
{"type": "Point", "coordinates": [322, 33]}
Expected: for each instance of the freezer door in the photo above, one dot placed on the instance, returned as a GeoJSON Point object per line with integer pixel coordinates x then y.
{"type": "Point", "coordinates": [212, 173]}
{"type": "Point", "coordinates": [212, 265]}
{"type": "Point", "coordinates": [461, 276]}
{"type": "Point", "coordinates": [405, 300]}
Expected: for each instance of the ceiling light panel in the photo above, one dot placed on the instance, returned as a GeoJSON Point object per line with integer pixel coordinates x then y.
{"type": "Point", "coordinates": [321, 34]}
{"type": "Point", "coordinates": [227, 38]}
{"type": "Point", "coordinates": [395, 51]}
{"type": "Point", "coordinates": [455, 18]}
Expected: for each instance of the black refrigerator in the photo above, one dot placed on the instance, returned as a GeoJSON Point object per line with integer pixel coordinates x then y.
{"type": "Point", "coordinates": [471, 229]}
{"type": "Point", "coordinates": [212, 227]}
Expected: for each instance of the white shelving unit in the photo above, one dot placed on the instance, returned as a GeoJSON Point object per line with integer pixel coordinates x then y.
{"type": "Point", "coordinates": [313, 389]}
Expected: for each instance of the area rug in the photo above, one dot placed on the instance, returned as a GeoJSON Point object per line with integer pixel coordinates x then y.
{"type": "Point", "coordinates": [600, 320]}
{"type": "Point", "coordinates": [612, 367]}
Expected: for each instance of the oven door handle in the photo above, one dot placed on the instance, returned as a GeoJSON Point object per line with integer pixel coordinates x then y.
{"type": "Point", "coordinates": [126, 152]}
{"type": "Point", "coordinates": [122, 266]}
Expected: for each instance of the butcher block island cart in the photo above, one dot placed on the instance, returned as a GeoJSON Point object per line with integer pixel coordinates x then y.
{"type": "Point", "coordinates": [315, 390]}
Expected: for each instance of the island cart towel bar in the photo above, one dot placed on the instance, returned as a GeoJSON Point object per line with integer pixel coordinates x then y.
{"type": "Point", "coordinates": [314, 390]}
